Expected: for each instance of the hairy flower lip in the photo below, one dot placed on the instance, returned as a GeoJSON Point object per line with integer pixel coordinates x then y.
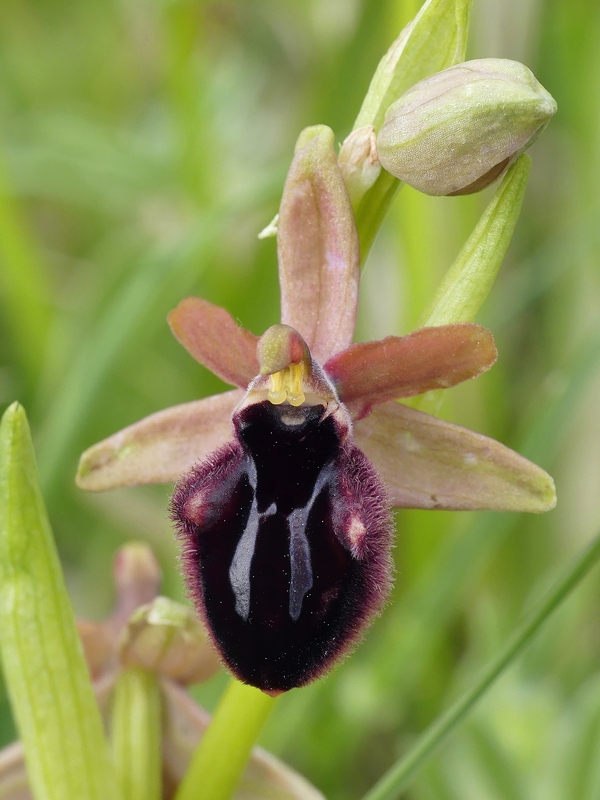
{"type": "Point", "coordinates": [286, 538]}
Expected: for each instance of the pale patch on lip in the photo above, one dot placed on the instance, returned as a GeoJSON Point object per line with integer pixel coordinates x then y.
{"type": "Point", "coordinates": [195, 507]}
{"type": "Point", "coordinates": [292, 420]}
{"type": "Point", "coordinates": [356, 533]}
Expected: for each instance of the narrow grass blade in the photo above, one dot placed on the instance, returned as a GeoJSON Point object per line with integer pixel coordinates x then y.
{"type": "Point", "coordinates": [394, 781]}
{"type": "Point", "coordinates": [47, 678]}
{"type": "Point", "coordinates": [24, 290]}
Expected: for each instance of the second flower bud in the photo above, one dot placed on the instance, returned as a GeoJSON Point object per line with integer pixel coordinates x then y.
{"type": "Point", "coordinates": [456, 131]}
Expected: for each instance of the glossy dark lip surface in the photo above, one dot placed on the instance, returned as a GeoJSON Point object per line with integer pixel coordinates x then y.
{"type": "Point", "coordinates": [279, 585]}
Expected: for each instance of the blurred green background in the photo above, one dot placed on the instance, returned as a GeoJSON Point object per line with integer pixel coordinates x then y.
{"type": "Point", "coordinates": [143, 145]}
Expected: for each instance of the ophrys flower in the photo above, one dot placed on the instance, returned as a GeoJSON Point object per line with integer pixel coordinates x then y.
{"type": "Point", "coordinates": [284, 521]}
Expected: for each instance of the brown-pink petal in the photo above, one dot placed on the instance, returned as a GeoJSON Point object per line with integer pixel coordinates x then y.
{"type": "Point", "coordinates": [98, 646]}
{"type": "Point", "coordinates": [318, 247]}
{"type": "Point", "coordinates": [428, 463]}
{"type": "Point", "coordinates": [402, 366]}
{"type": "Point", "coordinates": [213, 337]}
{"type": "Point", "coordinates": [137, 577]}
{"type": "Point", "coordinates": [161, 447]}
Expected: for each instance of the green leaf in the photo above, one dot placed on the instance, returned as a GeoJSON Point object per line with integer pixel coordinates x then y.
{"type": "Point", "coordinates": [46, 675]}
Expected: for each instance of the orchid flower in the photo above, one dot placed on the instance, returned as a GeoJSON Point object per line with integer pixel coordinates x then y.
{"type": "Point", "coordinates": [284, 483]}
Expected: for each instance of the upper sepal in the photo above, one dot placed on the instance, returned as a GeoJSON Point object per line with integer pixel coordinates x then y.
{"type": "Point", "coordinates": [318, 247]}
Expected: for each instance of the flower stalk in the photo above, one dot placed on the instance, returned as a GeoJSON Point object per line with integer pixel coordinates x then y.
{"type": "Point", "coordinates": [136, 734]}
{"type": "Point", "coordinates": [219, 761]}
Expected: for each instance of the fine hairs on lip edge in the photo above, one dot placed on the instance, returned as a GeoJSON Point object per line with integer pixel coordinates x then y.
{"type": "Point", "coordinates": [345, 546]}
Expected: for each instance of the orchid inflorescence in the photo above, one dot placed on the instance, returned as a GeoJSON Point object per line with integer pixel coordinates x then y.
{"type": "Point", "coordinates": [283, 485]}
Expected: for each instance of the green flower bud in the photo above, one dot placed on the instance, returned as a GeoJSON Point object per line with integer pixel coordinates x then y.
{"type": "Point", "coordinates": [166, 637]}
{"type": "Point", "coordinates": [458, 130]}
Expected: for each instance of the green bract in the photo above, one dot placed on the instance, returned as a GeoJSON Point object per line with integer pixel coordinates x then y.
{"type": "Point", "coordinates": [467, 283]}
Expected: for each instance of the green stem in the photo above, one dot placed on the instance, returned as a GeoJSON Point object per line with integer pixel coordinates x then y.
{"type": "Point", "coordinates": [136, 734]}
{"type": "Point", "coordinates": [397, 778]}
{"type": "Point", "coordinates": [372, 209]}
{"type": "Point", "coordinates": [218, 763]}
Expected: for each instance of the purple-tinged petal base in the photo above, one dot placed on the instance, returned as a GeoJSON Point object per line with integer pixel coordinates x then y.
{"type": "Point", "coordinates": [318, 247]}
{"type": "Point", "coordinates": [161, 447]}
{"type": "Point", "coordinates": [428, 463]}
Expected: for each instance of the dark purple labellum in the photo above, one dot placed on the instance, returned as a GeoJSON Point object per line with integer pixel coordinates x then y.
{"type": "Point", "coordinates": [286, 544]}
